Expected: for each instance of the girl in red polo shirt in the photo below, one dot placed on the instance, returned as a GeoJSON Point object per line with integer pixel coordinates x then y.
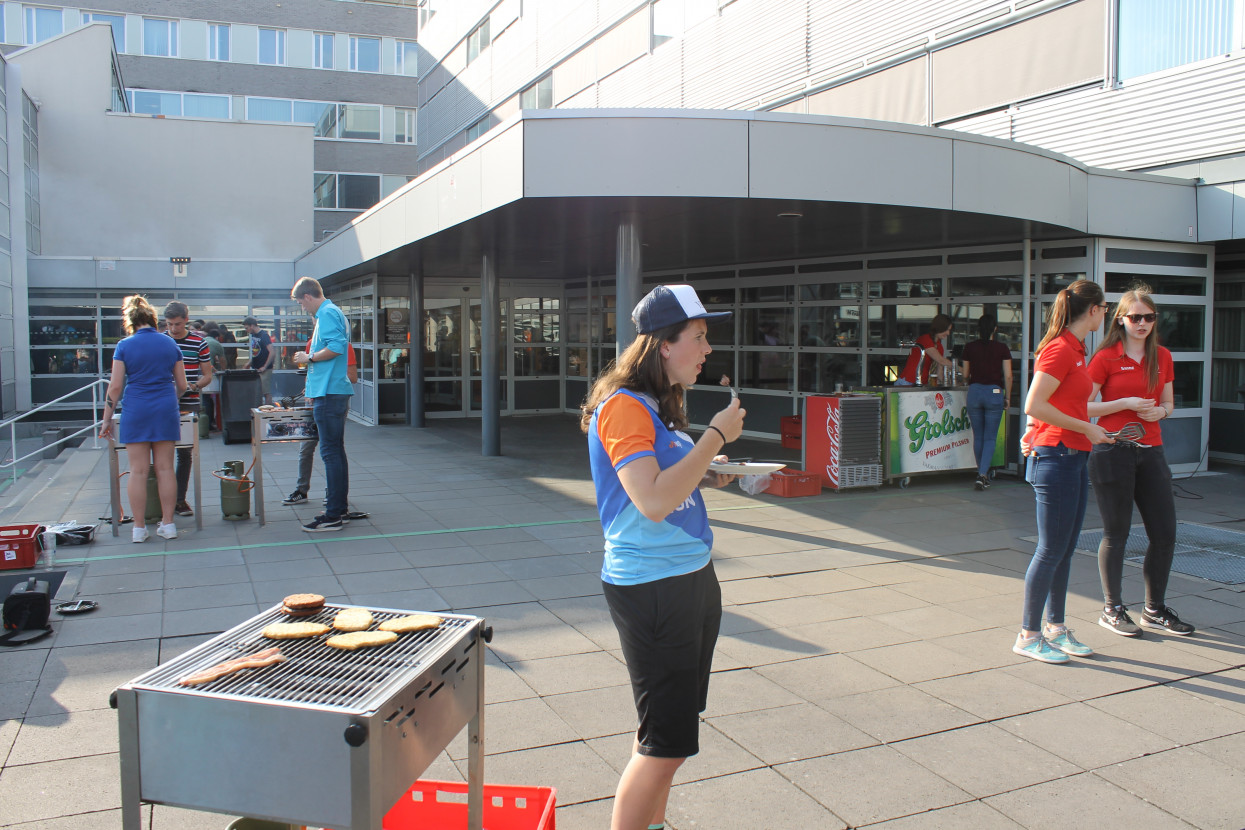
{"type": "Point", "coordinates": [928, 350]}
{"type": "Point", "coordinates": [1134, 375]}
{"type": "Point", "coordinates": [1057, 447]}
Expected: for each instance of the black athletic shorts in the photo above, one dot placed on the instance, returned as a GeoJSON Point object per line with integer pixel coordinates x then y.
{"type": "Point", "coordinates": [668, 630]}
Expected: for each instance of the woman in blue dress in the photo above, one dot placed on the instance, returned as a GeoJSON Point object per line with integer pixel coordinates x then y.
{"type": "Point", "coordinates": [149, 367]}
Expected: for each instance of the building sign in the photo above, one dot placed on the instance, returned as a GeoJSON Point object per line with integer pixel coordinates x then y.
{"type": "Point", "coordinates": [929, 431]}
{"type": "Point", "coordinates": [397, 325]}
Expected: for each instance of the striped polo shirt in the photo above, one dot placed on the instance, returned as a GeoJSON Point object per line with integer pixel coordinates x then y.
{"type": "Point", "coordinates": [194, 351]}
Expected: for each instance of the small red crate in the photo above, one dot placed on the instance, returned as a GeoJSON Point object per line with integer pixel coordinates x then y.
{"type": "Point", "coordinates": [442, 805]}
{"type": "Point", "coordinates": [19, 546]}
{"type": "Point", "coordinates": [792, 484]}
{"type": "Point", "coordinates": [792, 431]}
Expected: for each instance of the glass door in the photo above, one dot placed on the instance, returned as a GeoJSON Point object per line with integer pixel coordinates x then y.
{"type": "Point", "coordinates": [393, 353]}
{"type": "Point", "coordinates": [445, 388]}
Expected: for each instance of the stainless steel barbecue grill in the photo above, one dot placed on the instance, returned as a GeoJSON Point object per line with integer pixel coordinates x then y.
{"type": "Point", "coordinates": [328, 738]}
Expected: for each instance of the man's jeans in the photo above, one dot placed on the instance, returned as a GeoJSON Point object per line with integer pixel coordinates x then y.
{"type": "Point", "coordinates": [985, 410]}
{"type": "Point", "coordinates": [1061, 484]}
{"type": "Point", "coordinates": [329, 412]}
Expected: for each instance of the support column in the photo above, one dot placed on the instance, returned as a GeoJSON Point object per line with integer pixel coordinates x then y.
{"type": "Point", "coordinates": [629, 263]}
{"type": "Point", "coordinates": [415, 366]}
{"type": "Point", "coordinates": [490, 370]}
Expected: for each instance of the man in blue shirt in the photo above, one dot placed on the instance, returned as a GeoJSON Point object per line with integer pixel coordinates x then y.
{"type": "Point", "coordinates": [263, 355]}
{"type": "Point", "coordinates": [329, 390]}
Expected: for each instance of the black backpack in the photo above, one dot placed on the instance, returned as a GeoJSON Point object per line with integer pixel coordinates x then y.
{"type": "Point", "coordinates": [27, 608]}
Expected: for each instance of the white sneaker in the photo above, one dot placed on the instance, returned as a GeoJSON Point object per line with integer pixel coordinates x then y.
{"type": "Point", "coordinates": [140, 535]}
{"type": "Point", "coordinates": [166, 531]}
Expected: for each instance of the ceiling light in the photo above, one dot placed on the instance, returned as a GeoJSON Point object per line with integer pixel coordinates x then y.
{"type": "Point", "coordinates": [791, 214]}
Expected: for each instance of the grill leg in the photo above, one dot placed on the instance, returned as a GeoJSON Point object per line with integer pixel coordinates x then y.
{"type": "Point", "coordinates": [475, 747]}
{"type": "Point", "coordinates": [127, 722]}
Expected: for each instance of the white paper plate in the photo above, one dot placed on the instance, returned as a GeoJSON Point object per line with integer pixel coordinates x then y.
{"type": "Point", "coordinates": [745, 468]}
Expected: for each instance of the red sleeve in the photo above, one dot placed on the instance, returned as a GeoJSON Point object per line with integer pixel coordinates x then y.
{"type": "Point", "coordinates": [1098, 369]}
{"type": "Point", "coordinates": [350, 361]}
{"type": "Point", "coordinates": [205, 354]}
{"type": "Point", "coordinates": [1054, 360]}
{"type": "Point", "coordinates": [1167, 370]}
{"type": "Point", "coordinates": [625, 429]}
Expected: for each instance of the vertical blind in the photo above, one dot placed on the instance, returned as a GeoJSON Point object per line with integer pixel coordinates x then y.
{"type": "Point", "coordinates": [1160, 34]}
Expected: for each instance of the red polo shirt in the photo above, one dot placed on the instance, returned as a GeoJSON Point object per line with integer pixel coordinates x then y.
{"type": "Point", "coordinates": [920, 362]}
{"type": "Point", "coordinates": [1064, 360]}
{"type": "Point", "coordinates": [1122, 377]}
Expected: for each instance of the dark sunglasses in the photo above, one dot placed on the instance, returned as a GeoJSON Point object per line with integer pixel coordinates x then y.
{"type": "Point", "coordinates": [1139, 318]}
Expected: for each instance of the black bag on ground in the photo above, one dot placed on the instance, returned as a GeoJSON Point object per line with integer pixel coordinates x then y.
{"type": "Point", "coordinates": [27, 609]}
{"type": "Point", "coordinates": [72, 533]}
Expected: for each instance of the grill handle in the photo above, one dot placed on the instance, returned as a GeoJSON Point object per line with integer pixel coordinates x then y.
{"type": "Point", "coordinates": [487, 633]}
{"type": "Point", "coordinates": [355, 734]}
{"type": "Point", "coordinates": [112, 699]}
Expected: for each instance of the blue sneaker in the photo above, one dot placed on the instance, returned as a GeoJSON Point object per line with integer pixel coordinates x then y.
{"type": "Point", "coordinates": [1038, 649]}
{"type": "Point", "coordinates": [1065, 642]}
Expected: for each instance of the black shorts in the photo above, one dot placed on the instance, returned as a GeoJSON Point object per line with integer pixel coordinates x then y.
{"type": "Point", "coordinates": [668, 630]}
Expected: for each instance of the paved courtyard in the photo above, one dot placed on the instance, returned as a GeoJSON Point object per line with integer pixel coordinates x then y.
{"type": "Point", "coordinates": [864, 677]}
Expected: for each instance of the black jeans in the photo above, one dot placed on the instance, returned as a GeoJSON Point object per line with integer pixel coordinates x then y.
{"type": "Point", "coordinates": [1121, 475]}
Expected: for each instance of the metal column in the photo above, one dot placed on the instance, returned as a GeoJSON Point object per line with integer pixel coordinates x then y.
{"type": "Point", "coordinates": [490, 374]}
{"type": "Point", "coordinates": [627, 285]}
{"type": "Point", "coordinates": [415, 368]}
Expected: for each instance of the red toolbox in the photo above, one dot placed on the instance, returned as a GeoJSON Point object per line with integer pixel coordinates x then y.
{"type": "Point", "coordinates": [20, 546]}
{"type": "Point", "coordinates": [792, 430]}
{"type": "Point", "coordinates": [794, 483]}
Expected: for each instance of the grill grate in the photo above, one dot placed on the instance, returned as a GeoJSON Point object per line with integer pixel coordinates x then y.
{"type": "Point", "coordinates": [1209, 552]}
{"type": "Point", "coordinates": [313, 674]}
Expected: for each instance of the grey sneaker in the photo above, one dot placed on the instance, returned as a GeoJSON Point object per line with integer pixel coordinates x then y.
{"type": "Point", "coordinates": [296, 497]}
{"type": "Point", "coordinates": [1165, 619]}
{"type": "Point", "coordinates": [1115, 619]}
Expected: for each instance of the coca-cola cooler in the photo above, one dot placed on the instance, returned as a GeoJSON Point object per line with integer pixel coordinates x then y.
{"type": "Point", "coordinates": [843, 440]}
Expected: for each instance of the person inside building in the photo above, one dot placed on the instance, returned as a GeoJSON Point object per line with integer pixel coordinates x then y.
{"type": "Point", "coordinates": [263, 356]}
{"type": "Point", "coordinates": [211, 399]}
{"type": "Point", "coordinates": [329, 389]}
{"type": "Point", "coordinates": [198, 366]}
{"type": "Point", "coordinates": [657, 574]}
{"type": "Point", "coordinates": [1134, 376]}
{"type": "Point", "coordinates": [988, 370]}
{"type": "Point", "coordinates": [307, 449]}
{"type": "Point", "coordinates": [149, 368]}
{"type": "Point", "coordinates": [1056, 448]}
{"type": "Point", "coordinates": [929, 349]}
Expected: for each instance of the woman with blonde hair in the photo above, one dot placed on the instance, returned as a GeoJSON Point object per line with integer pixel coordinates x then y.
{"type": "Point", "coordinates": [149, 368]}
{"type": "Point", "coordinates": [1134, 376]}
{"type": "Point", "coordinates": [1056, 448]}
{"type": "Point", "coordinates": [657, 574]}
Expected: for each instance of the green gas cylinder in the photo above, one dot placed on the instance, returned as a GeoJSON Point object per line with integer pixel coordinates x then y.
{"type": "Point", "coordinates": [152, 511]}
{"type": "Point", "coordinates": [235, 492]}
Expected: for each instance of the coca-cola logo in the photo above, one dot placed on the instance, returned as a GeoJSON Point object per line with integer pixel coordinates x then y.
{"type": "Point", "coordinates": [938, 401]}
{"type": "Point", "coordinates": [834, 431]}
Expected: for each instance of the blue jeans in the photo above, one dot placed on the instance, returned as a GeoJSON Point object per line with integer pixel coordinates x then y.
{"type": "Point", "coordinates": [985, 409]}
{"type": "Point", "coordinates": [329, 412]}
{"type": "Point", "coordinates": [1060, 480]}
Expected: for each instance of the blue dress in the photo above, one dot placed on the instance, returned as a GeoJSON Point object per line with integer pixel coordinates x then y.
{"type": "Point", "coordinates": [149, 403]}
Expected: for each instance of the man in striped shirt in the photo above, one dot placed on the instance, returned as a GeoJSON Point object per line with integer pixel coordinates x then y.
{"type": "Point", "coordinates": [197, 358]}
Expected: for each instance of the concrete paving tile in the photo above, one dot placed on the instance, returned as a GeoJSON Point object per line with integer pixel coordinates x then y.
{"type": "Point", "coordinates": [60, 737]}
{"type": "Point", "coordinates": [818, 679]}
{"type": "Point", "coordinates": [786, 613]}
{"type": "Point", "coordinates": [941, 590]}
{"type": "Point", "coordinates": [501, 683]}
{"type": "Point", "coordinates": [1154, 658]}
{"type": "Point", "coordinates": [1086, 736]}
{"type": "Point", "coordinates": [485, 595]}
{"type": "Point", "coordinates": [744, 690]}
{"type": "Point", "coordinates": [113, 567]}
{"type": "Point", "coordinates": [206, 620]}
{"type": "Point", "coordinates": [931, 621]}
{"type": "Point", "coordinates": [852, 635]}
{"type": "Point", "coordinates": [897, 713]}
{"type": "Point", "coordinates": [437, 557]}
{"type": "Point", "coordinates": [571, 673]}
{"type": "Point", "coordinates": [175, 818]}
{"type": "Point", "coordinates": [97, 820]}
{"type": "Point", "coordinates": [292, 569]}
{"type": "Point", "coordinates": [985, 760]}
{"type": "Point", "coordinates": [757, 648]}
{"type": "Point", "coordinates": [422, 600]}
{"type": "Point", "coordinates": [122, 582]}
{"type": "Point", "coordinates": [992, 694]}
{"type": "Point", "coordinates": [589, 815]}
{"type": "Point", "coordinates": [872, 784]}
{"type": "Point", "coordinates": [273, 591]}
{"type": "Point", "coordinates": [590, 617]}
{"type": "Point", "coordinates": [25, 663]}
{"type": "Point", "coordinates": [264, 554]}
{"type": "Point", "coordinates": [15, 698]}
{"type": "Point", "coordinates": [595, 713]}
{"type": "Point", "coordinates": [519, 724]}
{"type": "Point", "coordinates": [738, 619]}
{"type": "Point", "coordinates": [1083, 800]}
{"type": "Point", "coordinates": [973, 815]}
{"type": "Point", "coordinates": [1222, 645]}
{"type": "Point", "coordinates": [991, 646]}
{"type": "Point", "coordinates": [998, 610]}
{"type": "Point", "coordinates": [886, 573]}
{"type": "Point", "coordinates": [757, 798]}
{"type": "Point", "coordinates": [1083, 679]}
{"type": "Point", "coordinates": [368, 562]}
{"type": "Point", "coordinates": [1173, 714]}
{"type": "Point", "coordinates": [578, 773]}
{"type": "Point", "coordinates": [530, 549]}
{"type": "Point", "coordinates": [462, 574]}
{"type": "Point", "coordinates": [208, 596]}
{"type": "Point", "coordinates": [87, 631]}
{"type": "Point", "coordinates": [207, 559]}
{"type": "Point", "coordinates": [355, 540]}
{"type": "Point", "coordinates": [8, 734]}
{"type": "Point", "coordinates": [791, 733]}
{"type": "Point", "coordinates": [1185, 783]}
{"type": "Point", "coordinates": [40, 792]}
{"type": "Point", "coordinates": [562, 587]}
{"type": "Point", "coordinates": [529, 631]}
{"type": "Point", "coordinates": [915, 662]}
{"type": "Point", "coordinates": [1229, 750]}
{"type": "Point", "coordinates": [199, 577]}
{"type": "Point", "coordinates": [372, 582]}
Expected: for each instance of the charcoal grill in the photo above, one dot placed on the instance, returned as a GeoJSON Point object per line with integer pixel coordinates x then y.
{"type": "Point", "coordinates": [328, 738]}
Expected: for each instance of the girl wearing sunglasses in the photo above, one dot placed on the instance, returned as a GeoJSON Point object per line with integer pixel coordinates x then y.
{"type": "Point", "coordinates": [1134, 375]}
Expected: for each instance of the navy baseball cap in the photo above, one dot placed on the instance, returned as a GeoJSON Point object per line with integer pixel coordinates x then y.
{"type": "Point", "coordinates": [667, 305]}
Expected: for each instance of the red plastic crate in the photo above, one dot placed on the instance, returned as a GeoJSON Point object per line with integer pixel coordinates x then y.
{"type": "Point", "coordinates": [442, 805]}
{"type": "Point", "coordinates": [792, 484]}
{"type": "Point", "coordinates": [19, 546]}
{"type": "Point", "coordinates": [792, 431]}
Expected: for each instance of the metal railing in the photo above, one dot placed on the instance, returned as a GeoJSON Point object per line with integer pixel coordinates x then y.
{"type": "Point", "coordinates": [96, 387]}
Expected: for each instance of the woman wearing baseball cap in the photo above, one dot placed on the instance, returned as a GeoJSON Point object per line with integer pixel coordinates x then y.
{"type": "Point", "coordinates": [657, 575]}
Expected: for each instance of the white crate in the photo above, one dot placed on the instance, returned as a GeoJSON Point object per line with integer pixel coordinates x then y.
{"type": "Point", "coordinates": [860, 475]}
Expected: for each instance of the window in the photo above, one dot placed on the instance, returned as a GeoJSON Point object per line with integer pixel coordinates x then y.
{"type": "Point", "coordinates": [323, 56]}
{"type": "Point", "coordinates": [359, 121]}
{"type": "Point", "coordinates": [364, 54]}
{"type": "Point", "coordinates": [538, 96]}
{"type": "Point", "coordinates": [321, 115]}
{"type": "Point", "coordinates": [1160, 34]}
{"type": "Point", "coordinates": [346, 191]}
{"type": "Point", "coordinates": [355, 121]}
{"type": "Point", "coordinates": [156, 103]}
{"type": "Point", "coordinates": [206, 106]}
{"type": "Point", "coordinates": [218, 41]}
{"type": "Point", "coordinates": [268, 109]}
{"type": "Point", "coordinates": [478, 41]}
{"type": "Point", "coordinates": [404, 126]}
{"type": "Point", "coordinates": [192, 105]}
{"type": "Point", "coordinates": [117, 21]}
{"type": "Point", "coordinates": [30, 151]}
{"type": "Point", "coordinates": [478, 129]}
{"type": "Point", "coordinates": [325, 190]}
{"type": "Point", "coordinates": [159, 37]}
{"type": "Point", "coordinates": [671, 18]}
{"type": "Point", "coordinates": [42, 24]}
{"type": "Point", "coordinates": [272, 47]}
{"type": "Point", "coordinates": [406, 58]}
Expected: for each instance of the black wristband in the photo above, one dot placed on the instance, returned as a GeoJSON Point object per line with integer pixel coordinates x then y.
{"type": "Point", "coordinates": [720, 432]}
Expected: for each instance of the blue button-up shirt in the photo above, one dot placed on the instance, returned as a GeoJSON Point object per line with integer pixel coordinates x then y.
{"type": "Point", "coordinates": [329, 377]}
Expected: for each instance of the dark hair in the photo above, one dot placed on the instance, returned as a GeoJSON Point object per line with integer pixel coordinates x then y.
{"type": "Point", "coordinates": [1139, 293]}
{"type": "Point", "coordinates": [176, 309]}
{"type": "Point", "coordinates": [986, 324]}
{"type": "Point", "coordinates": [137, 313]}
{"type": "Point", "coordinates": [640, 369]}
{"type": "Point", "coordinates": [249, 321]}
{"type": "Point", "coordinates": [1070, 305]}
{"type": "Point", "coordinates": [306, 287]}
{"type": "Point", "coordinates": [939, 324]}
{"type": "Point", "coordinates": [212, 332]}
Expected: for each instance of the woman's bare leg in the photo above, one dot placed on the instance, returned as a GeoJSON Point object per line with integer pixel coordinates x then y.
{"type": "Point", "coordinates": [139, 456]}
{"type": "Point", "coordinates": [643, 791]}
{"type": "Point", "coordinates": [166, 478]}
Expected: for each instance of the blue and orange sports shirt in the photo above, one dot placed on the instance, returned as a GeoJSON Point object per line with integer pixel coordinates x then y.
{"type": "Point", "coordinates": [625, 427]}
